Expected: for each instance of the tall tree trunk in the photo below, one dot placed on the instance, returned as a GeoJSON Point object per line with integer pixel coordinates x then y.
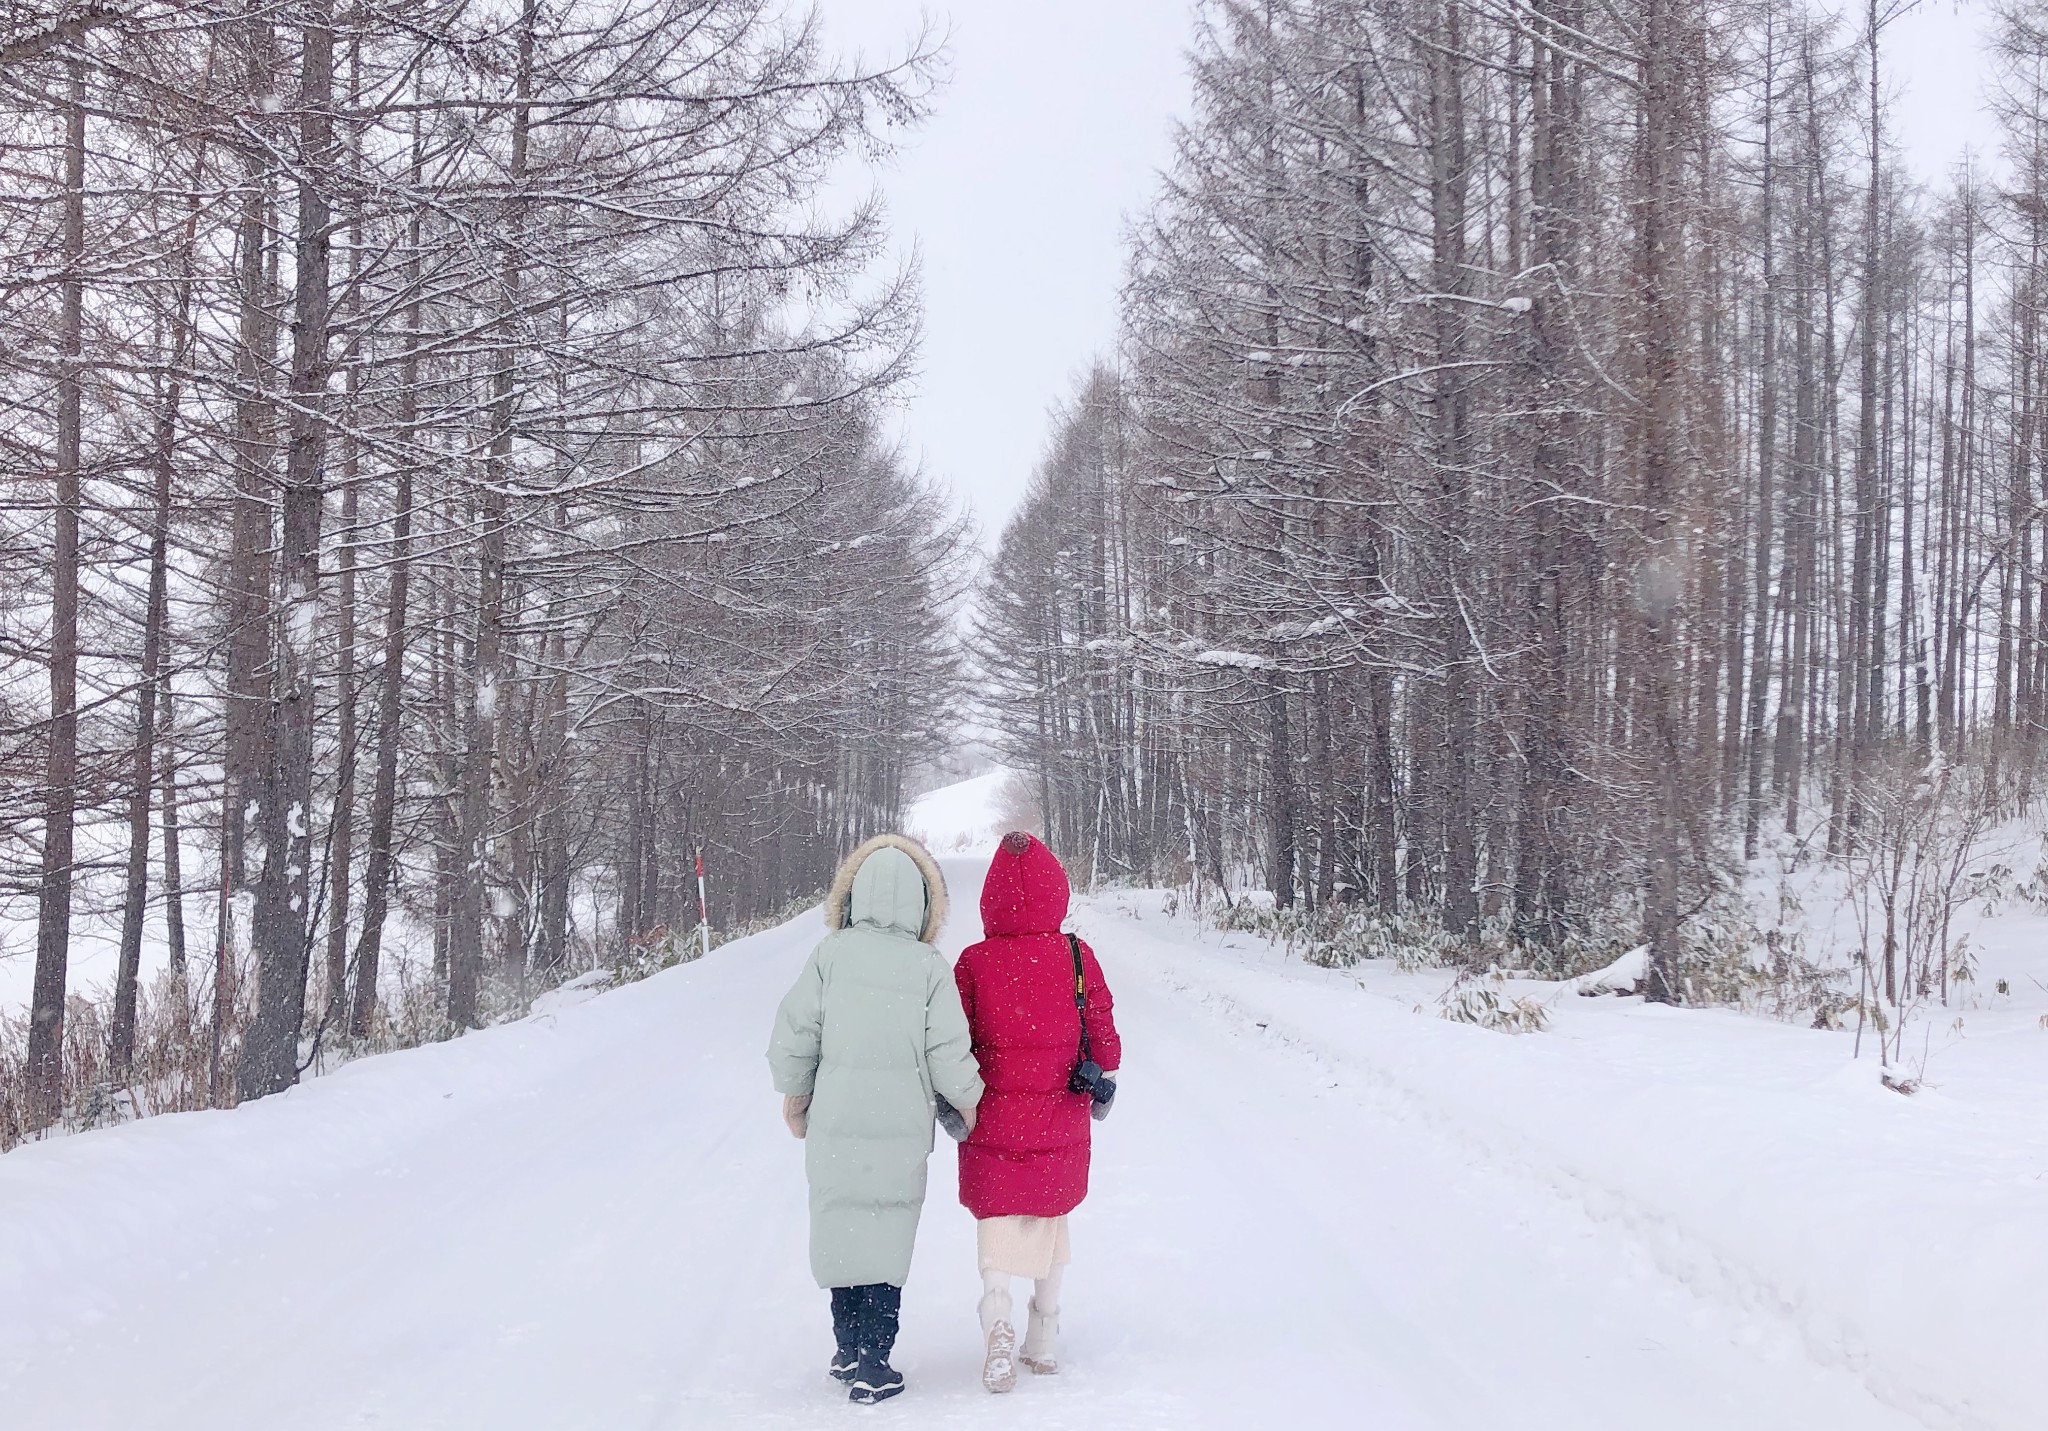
{"type": "Point", "coordinates": [1281, 797]}
{"type": "Point", "coordinates": [341, 837]}
{"type": "Point", "coordinates": [480, 716]}
{"type": "Point", "coordinates": [150, 691]}
{"type": "Point", "coordinates": [121, 1038]}
{"type": "Point", "coordinates": [1659, 252]}
{"type": "Point", "coordinates": [1862, 635]}
{"type": "Point", "coordinates": [1542, 876]}
{"type": "Point", "coordinates": [60, 763]}
{"type": "Point", "coordinates": [1450, 179]}
{"type": "Point", "coordinates": [379, 861]}
{"type": "Point", "coordinates": [1766, 469]}
{"type": "Point", "coordinates": [249, 562]}
{"type": "Point", "coordinates": [554, 819]}
{"type": "Point", "coordinates": [175, 953]}
{"type": "Point", "coordinates": [280, 933]}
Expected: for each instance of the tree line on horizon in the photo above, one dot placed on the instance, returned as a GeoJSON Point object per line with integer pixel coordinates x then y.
{"type": "Point", "coordinates": [1554, 452]}
{"type": "Point", "coordinates": [442, 474]}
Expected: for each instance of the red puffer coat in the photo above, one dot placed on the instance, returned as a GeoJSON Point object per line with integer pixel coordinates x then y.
{"type": "Point", "coordinates": [1028, 1155]}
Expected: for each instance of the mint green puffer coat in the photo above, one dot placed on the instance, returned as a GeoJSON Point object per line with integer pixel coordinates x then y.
{"type": "Point", "coordinates": [872, 1030]}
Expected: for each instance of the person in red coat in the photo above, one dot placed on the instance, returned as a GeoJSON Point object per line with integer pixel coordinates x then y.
{"type": "Point", "coordinates": [1025, 1165]}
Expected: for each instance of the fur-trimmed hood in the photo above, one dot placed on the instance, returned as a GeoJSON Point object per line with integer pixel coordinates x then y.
{"type": "Point", "coordinates": [840, 900]}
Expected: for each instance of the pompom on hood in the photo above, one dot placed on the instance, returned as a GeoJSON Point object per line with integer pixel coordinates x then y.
{"type": "Point", "coordinates": [886, 896]}
{"type": "Point", "coordinates": [1026, 891]}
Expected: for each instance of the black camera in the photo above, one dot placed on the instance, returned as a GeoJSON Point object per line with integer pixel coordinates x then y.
{"type": "Point", "coordinates": [1100, 1087]}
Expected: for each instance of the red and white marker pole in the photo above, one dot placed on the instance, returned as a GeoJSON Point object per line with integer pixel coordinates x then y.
{"type": "Point", "coordinates": [703, 905]}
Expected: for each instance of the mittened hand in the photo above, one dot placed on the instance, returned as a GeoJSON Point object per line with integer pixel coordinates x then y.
{"type": "Point", "coordinates": [958, 1122]}
{"type": "Point", "coordinates": [796, 1113]}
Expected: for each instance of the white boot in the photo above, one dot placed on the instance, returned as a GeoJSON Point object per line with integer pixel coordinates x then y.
{"type": "Point", "coordinates": [999, 1365]}
{"type": "Point", "coordinates": [1040, 1335]}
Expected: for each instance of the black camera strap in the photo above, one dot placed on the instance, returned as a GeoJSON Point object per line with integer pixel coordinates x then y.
{"type": "Point", "coordinates": [1080, 994]}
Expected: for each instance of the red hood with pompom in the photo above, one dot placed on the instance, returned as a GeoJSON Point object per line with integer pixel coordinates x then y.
{"type": "Point", "coordinates": [1026, 891]}
{"type": "Point", "coordinates": [1028, 1154]}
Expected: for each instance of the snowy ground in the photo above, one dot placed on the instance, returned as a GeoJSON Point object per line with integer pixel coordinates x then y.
{"type": "Point", "coordinates": [1314, 1206]}
{"type": "Point", "coordinates": [960, 819]}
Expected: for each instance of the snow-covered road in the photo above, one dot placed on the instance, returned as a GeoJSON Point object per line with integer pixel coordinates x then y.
{"type": "Point", "coordinates": [594, 1218]}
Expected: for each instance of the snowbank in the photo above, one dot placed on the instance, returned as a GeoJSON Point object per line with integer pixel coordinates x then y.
{"type": "Point", "coordinates": [1904, 1239]}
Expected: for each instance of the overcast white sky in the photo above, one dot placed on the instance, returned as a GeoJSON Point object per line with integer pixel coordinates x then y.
{"type": "Point", "coordinates": [1931, 57]}
{"type": "Point", "coordinates": [1055, 123]}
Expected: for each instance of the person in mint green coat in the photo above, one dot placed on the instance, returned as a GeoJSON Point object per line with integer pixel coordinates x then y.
{"type": "Point", "coordinates": [866, 1043]}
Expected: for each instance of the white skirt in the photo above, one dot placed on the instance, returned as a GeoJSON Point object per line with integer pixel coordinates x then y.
{"type": "Point", "coordinates": [1022, 1246]}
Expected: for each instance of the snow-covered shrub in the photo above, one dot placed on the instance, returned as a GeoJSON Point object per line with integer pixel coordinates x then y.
{"type": "Point", "coordinates": [1917, 857]}
{"type": "Point", "coordinates": [173, 1064]}
{"type": "Point", "coordinates": [1264, 919]}
{"type": "Point", "coordinates": [664, 948]}
{"type": "Point", "coordinates": [1349, 936]}
{"type": "Point", "coordinates": [1998, 884]}
{"type": "Point", "coordinates": [1726, 959]}
{"type": "Point", "coordinates": [658, 949]}
{"type": "Point", "coordinates": [1338, 936]}
{"type": "Point", "coordinates": [1604, 937]}
{"type": "Point", "coordinates": [1491, 1008]}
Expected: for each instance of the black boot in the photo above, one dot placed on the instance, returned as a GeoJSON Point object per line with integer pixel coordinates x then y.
{"type": "Point", "coordinates": [846, 1329]}
{"type": "Point", "coordinates": [875, 1381]}
{"type": "Point", "coordinates": [881, 1313]}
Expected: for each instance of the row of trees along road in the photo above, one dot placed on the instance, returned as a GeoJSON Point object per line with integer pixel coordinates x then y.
{"type": "Point", "coordinates": [1552, 449]}
{"type": "Point", "coordinates": [439, 469]}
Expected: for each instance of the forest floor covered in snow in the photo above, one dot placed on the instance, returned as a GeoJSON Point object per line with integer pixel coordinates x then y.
{"type": "Point", "coordinates": [1317, 1203]}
